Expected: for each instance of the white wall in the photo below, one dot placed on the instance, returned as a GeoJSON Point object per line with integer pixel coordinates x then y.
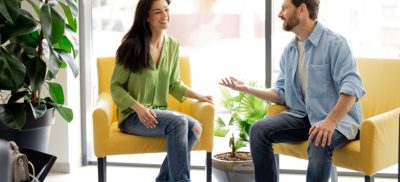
{"type": "Point", "coordinates": [65, 138]}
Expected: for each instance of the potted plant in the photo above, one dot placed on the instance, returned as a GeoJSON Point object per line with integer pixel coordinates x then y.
{"type": "Point", "coordinates": [38, 38]}
{"type": "Point", "coordinates": [244, 109]}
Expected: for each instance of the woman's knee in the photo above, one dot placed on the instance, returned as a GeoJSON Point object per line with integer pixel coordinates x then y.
{"type": "Point", "coordinates": [177, 122]}
{"type": "Point", "coordinates": [197, 130]}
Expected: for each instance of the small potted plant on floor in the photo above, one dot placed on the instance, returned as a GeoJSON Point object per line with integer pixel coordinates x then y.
{"type": "Point", "coordinates": [38, 38]}
{"type": "Point", "coordinates": [244, 110]}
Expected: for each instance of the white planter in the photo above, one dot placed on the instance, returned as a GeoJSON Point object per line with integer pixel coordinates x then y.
{"type": "Point", "coordinates": [233, 171]}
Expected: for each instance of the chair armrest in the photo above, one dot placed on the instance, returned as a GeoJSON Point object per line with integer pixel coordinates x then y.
{"type": "Point", "coordinates": [187, 106]}
{"type": "Point", "coordinates": [202, 111]}
{"type": "Point", "coordinates": [275, 109]}
{"type": "Point", "coordinates": [102, 118]}
{"type": "Point", "coordinates": [379, 140]}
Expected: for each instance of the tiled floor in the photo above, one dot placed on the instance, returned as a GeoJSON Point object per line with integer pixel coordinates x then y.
{"type": "Point", "coordinates": [133, 174]}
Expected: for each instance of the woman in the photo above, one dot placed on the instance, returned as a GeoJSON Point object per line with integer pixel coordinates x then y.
{"type": "Point", "coordinates": [146, 71]}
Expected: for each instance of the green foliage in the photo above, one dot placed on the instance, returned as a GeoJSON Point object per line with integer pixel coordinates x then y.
{"type": "Point", "coordinates": [34, 47]}
{"type": "Point", "coordinates": [244, 110]}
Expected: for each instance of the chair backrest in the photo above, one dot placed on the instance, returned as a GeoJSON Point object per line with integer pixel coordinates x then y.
{"type": "Point", "coordinates": [105, 68]}
{"type": "Point", "coordinates": [381, 78]}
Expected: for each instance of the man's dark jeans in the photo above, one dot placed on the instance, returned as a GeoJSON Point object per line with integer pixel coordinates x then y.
{"type": "Point", "coordinates": [285, 128]}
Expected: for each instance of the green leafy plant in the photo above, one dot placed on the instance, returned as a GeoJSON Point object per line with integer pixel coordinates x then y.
{"type": "Point", "coordinates": [244, 110]}
{"type": "Point", "coordinates": [38, 38]}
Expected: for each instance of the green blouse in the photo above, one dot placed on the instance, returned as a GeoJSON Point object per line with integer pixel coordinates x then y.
{"type": "Point", "coordinates": [151, 86]}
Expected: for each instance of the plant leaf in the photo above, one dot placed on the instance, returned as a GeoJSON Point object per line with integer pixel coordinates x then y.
{"type": "Point", "coordinates": [24, 24]}
{"type": "Point", "coordinates": [30, 39]}
{"type": "Point", "coordinates": [10, 9]}
{"type": "Point", "coordinates": [35, 7]}
{"type": "Point", "coordinates": [239, 144]}
{"type": "Point", "coordinates": [244, 136]}
{"type": "Point", "coordinates": [36, 72]}
{"type": "Point", "coordinates": [56, 92]}
{"type": "Point", "coordinates": [71, 62]}
{"type": "Point", "coordinates": [220, 123]}
{"type": "Point", "coordinates": [70, 18]}
{"type": "Point", "coordinates": [66, 113]}
{"type": "Point", "coordinates": [220, 132]}
{"type": "Point", "coordinates": [53, 25]}
{"type": "Point", "coordinates": [13, 115]}
{"type": "Point", "coordinates": [245, 126]}
{"type": "Point", "coordinates": [16, 96]}
{"type": "Point", "coordinates": [39, 110]}
{"type": "Point", "coordinates": [64, 45]}
{"type": "Point", "coordinates": [12, 71]}
{"type": "Point", "coordinates": [54, 64]}
{"type": "Point", "coordinates": [50, 102]}
{"type": "Point", "coordinates": [72, 37]}
{"type": "Point", "coordinates": [73, 6]}
{"type": "Point", "coordinates": [21, 51]}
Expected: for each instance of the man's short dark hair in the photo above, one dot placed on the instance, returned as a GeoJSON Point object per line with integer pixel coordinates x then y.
{"type": "Point", "coordinates": [312, 6]}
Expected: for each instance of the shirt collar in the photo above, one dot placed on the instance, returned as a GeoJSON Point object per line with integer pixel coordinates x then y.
{"type": "Point", "coordinates": [314, 37]}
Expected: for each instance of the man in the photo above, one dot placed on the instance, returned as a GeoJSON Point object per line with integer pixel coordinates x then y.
{"type": "Point", "coordinates": [320, 85]}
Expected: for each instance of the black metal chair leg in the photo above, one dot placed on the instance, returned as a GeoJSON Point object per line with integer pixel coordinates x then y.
{"type": "Point", "coordinates": [277, 165]}
{"type": "Point", "coordinates": [334, 176]}
{"type": "Point", "coordinates": [208, 167]}
{"type": "Point", "coordinates": [277, 160]}
{"type": "Point", "coordinates": [102, 169]}
{"type": "Point", "coordinates": [369, 178]}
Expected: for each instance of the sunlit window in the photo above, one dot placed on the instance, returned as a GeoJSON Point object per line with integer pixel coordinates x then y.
{"type": "Point", "coordinates": [371, 27]}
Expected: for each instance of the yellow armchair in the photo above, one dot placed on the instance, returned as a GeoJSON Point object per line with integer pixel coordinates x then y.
{"type": "Point", "coordinates": [108, 140]}
{"type": "Point", "coordinates": [377, 147]}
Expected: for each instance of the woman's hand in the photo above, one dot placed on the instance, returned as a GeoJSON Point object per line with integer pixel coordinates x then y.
{"type": "Point", "coordinates": [206, 98]}
{"type": "Point", "coordinates": [194, 95]}
{"type": "Point", "coordinates": [146, 116]}
{"type": "Point", "coordinates": [234, 84]}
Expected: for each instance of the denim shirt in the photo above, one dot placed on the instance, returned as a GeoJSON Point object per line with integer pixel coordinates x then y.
{"type": "Point", "coordinates": [330, 70]}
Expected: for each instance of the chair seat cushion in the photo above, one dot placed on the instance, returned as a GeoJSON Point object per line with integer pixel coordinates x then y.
{"type": "Point", "coordinates": [347, 156]}
{"type": "Point", "coordinates": [123, 143]}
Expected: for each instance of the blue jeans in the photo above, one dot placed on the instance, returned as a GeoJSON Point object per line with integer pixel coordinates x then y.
{"type": "Point", "coordinates": [181, 137]}
{"type": "Point", "coordinates": [285, 128]}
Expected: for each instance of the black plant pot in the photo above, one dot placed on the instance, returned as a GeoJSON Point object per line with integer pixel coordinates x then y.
{"type": "Point", "coordinates": [34, 135]}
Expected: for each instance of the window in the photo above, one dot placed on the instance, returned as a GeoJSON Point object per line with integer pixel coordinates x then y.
{"type": "Point", "coordinates": [369, 26]}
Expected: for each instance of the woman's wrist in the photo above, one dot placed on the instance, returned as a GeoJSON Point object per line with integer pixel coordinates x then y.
{"type": "Point", "coordinates": [198, 96]}
{"type": "Point", "coordinates": [136, 106]}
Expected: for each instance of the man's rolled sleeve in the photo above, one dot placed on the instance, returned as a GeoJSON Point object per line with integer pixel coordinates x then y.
{"type": "Point", "coordinates": [352, 88]}
{"type": "Point", "coordinates": [281, 93]}
{"type": "Point", "coordinates": [280, 82]}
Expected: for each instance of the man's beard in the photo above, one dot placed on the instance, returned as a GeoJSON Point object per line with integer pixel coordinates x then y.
{"type": "Point", "coordinates": [290, 23]}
